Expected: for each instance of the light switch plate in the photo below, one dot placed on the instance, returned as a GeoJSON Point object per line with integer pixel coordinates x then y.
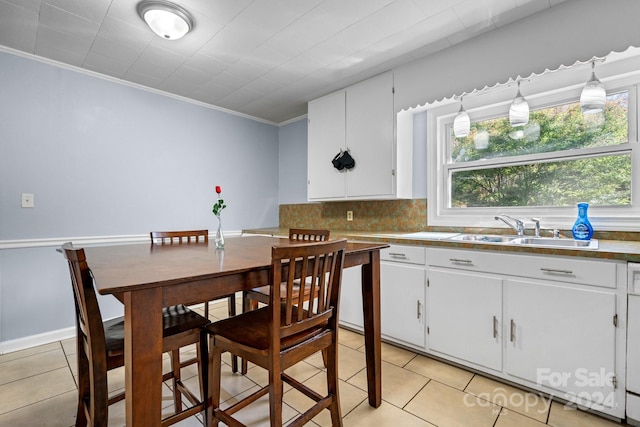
{"type": "Point", "coordinates": [27, 200]}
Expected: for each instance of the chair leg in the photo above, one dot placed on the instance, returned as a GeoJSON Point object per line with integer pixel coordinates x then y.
{"type": "Point", "coordinates": [331, 362]}
{"type": "Point", "coordinates": [175, 368]}
{"type": "Point", "coordinates": [246, 306]}
{"type": "Point", "coordinates": [275, 397]}
{"type": "Point", "coordinates": [206, 310]}
{"type": "Point", "coordinates": [203, 370]}
{"type": "Point", "coordinates": [83, 385]}
{"type": "Point", "coordinates": [231, 302]}
{"type": "Point", "coordinates": [213, 384]}
{"type": "Point", "coordinates": [324, 357]}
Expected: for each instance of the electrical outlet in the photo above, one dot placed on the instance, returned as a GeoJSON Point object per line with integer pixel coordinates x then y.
{"type": "Point", "coordinates": [27, 200]}
{"type": "Point", "coordinates": [349, 215]}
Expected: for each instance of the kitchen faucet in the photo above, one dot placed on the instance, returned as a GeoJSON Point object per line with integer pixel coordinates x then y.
{"type": "Point", "coordinates": [515, 223]}
{"type": "Point", "coordinates": [536, 221]}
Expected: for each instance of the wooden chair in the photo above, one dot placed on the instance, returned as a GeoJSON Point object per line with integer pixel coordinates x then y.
{"type": "Point", "coordinates": [187, 237]}
{"type": "Point", "coordinates": [285, 332]}
{"type": "Point", "coordinates": [251, 298]}
{"type": "Point", "coordinates": [100, 348]}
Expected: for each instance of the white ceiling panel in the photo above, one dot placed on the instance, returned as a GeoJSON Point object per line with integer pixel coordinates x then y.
{"type": "Point", "coordinates": [94, 10]}
{"type": "Point", "coordinates": [18, 27]}
{"type": "Point", "coordinates": [264, 58]}
{"type": "Point", "coordinates": [106, 65]}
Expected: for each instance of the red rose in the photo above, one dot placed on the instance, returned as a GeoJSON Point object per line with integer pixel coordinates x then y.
{"type": "Point", "coordinates": [218, 189]}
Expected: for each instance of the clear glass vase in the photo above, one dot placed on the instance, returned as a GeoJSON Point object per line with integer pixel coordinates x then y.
{"type": "Point", "coordinates": [219, 240]}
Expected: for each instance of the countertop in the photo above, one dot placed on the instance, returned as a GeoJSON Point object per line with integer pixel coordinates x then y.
{"type": "Point", "coordinates": [608, 249]}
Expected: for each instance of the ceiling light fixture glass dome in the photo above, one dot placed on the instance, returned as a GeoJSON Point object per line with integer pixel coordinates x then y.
{"type": "Point", "coordinates": [168, 20]}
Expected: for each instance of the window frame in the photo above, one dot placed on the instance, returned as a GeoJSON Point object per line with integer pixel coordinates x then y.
{"type": "Point", "coordinates": [495, 102]}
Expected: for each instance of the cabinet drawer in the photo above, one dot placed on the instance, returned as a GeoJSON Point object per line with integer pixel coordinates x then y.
{"type": "Point", "coordinates": [407, 254]}
{"type": "Point", "coordinates": [591, 272]}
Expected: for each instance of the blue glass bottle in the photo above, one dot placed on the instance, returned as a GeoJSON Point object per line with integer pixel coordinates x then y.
{"type": "Point", "coordinates": [582, 229]}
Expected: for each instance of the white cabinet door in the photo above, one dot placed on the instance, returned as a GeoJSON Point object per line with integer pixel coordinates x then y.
{"type": "Point", "coordinates": [464, 316]}
{"type": "Point", "coordinates": [370, 137]}
{"type": "Point", "coordinates": [561, 337]}
{"type": "Point", "coordinates": [402, 292]}
{"type": "Point", "coordinates": [351, 298]}
{"type": "Point", "coordinates": [326, 137]}
{"type": "Point", "coordinates": [633, 344]}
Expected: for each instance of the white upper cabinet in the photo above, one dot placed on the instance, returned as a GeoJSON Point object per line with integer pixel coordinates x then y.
{"type": "Point", "coordinates": [359, 119]}
{"type": "Point", "coordinates": [326, 137]}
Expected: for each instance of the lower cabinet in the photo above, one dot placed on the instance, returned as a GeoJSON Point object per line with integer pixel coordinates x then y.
{"type": "Point", "coordinates": [562, 337]}
{"type": "Point", "coordinates": [351, 299]}
{"type": "Point", "coordinates": [402, 296]}
{"type": "Point", "coordinates": [551, 323]}
{"type": "Point", "coordinates": [402, 308]}
{"type": "Point", "coordinates": [464, 312]}
{"type": "Point", "coordinates": [560, 331]}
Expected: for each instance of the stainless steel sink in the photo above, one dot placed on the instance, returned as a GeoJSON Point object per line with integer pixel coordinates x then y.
{"type": "Point", "coordinates": [484, 238]}
{"type": "Point", "coordinates": [556, 243]}
{"type": "Point", "coordinates": [546, 242]}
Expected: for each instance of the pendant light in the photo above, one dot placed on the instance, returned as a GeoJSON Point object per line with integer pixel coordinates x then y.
{"type": "Point", "coordinates": [166, 19]}
{"type": "Point", "coordinates": [519, 110]}
{"type": "Point", "coordinates": [462, 123]}
{"type": "Point", "coordinates": [593, 96]}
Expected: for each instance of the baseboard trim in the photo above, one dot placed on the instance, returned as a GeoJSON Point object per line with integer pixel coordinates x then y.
{"type": "Point", "coordinates": [36, 340]}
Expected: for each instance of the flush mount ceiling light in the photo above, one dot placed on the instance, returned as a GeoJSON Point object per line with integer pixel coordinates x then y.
{"type": "Point", "coordinates": [519, 110]}
{"type": "Point", "coordinates": [166, 19]}
{"type": "Point", "coordinates": [462, 123]}
{"type": "Point", "coordinates": [593, 96]}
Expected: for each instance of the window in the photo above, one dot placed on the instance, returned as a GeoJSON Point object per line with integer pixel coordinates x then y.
{"type": "Point", "coordinates": [525, 170]}
{"type": "Point", "coordinates": [540, 170]}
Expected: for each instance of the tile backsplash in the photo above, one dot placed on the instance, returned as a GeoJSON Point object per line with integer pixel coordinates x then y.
{"type": "Point", "coordinates": [379, 215]}
{"type": "Point", "coordinates": [388, 215]}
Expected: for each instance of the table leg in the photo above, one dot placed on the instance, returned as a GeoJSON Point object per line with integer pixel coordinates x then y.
{"type": "Point", "coordinates": [143, 357]}
{"type": "Point", "coordinates": [371, 310]}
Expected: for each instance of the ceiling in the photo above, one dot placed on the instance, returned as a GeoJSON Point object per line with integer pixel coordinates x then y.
{"type": "Point", "coordinates": [262, 58]}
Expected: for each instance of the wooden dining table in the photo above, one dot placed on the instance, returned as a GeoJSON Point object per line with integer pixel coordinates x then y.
{"type": "Point", "coordinates": [147, 277]}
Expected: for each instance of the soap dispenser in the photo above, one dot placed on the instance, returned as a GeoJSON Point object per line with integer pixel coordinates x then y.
{"type": "Point", "coordinates": [582, 229]}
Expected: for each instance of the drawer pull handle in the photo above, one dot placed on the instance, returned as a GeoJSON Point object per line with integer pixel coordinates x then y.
{"type": "Point", "coordinates": [397, 255]}
{"type": "Point", "coordinates": [495, 326]}
{"type": "Point", "coordinates": [513, 331]}
{"type": "Point", "coordinates": [419, 312]}
{"type": "Point", "coordinates": [556, 271]}
{"type": "Point", "coordinates": [460, 261]}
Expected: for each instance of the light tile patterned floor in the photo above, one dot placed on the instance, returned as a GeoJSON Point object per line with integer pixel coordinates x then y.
{"type": "Point", "coordinates": [38, 388]}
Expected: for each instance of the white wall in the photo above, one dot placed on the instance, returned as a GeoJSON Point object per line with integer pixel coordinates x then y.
{"type": "Point", "coordinates": [292, 152]}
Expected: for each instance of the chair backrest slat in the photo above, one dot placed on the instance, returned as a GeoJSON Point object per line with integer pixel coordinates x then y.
{"type": "Point", "coordinates": [318, 264]}
{"type": "Point", "coordinates": [308, 234]}
{"type": "Point", "coordinates": [179, 237]}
